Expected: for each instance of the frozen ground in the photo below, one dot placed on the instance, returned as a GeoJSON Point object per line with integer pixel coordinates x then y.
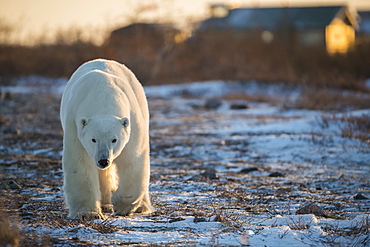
{"type": "Point", "coordinates": [220, 177]}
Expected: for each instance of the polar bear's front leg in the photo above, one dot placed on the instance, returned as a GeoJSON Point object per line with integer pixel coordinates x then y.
{"type": "Point", "coordinates": [108, 184]}
{"type": "Point", "coordinates": [81, 185]}
{"type": "Point", "coordinates": [132, 194]}
{"type": "Point", "coordinates": [82, 194]}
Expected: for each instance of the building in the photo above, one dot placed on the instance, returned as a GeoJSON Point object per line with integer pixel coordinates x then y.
{"type": "Point", "coordinates": [363, 32]}
{"type": "Point", "coordinates": [332, 27]}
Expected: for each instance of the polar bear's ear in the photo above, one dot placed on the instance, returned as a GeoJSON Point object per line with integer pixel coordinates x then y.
{"type": "Point", "coordinates": [125, 122]}
{"type": "Point", "coordinates": [84, 121]}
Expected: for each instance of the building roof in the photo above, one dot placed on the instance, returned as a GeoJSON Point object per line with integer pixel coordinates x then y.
{"type": "Point", "coordinates": [145, 28]}
{"type": "Point", "coordinates": [364, 22]}
{"type": "Point", "coordinates": [274, 18]}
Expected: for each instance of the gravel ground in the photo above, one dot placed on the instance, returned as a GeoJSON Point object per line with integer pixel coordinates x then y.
{"type": "Point", "coordinates": [223, 173]}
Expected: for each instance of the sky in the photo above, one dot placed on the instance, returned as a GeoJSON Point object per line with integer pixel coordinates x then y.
{"type": "Point", "coordinates": [31, 19]}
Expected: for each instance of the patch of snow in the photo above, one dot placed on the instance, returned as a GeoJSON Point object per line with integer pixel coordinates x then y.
{"type": "Point", "coordinates": [367, 83]}
{"type": "Point", "coordinates": [327, 166]}
{"type": "Point", "coordinates": [36, 84]}
{"type": "Point", "coordinates": [216, 89]}
{"type": "Point", "coordinates": [304, 220]}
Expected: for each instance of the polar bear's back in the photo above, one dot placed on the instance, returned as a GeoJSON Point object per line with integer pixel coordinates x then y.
{"type": "Point", "coordinates": [114, 69]}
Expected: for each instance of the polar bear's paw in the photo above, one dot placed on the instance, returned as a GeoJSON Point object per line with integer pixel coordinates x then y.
{"type": "Point", "coordinates": [144, 208]}
{"type": "Point", "coordinates": [124, 209]}
{"type": "Point", "coordinates": [107, 208]}
{"type": "Point", "coordinates": [89, 216]}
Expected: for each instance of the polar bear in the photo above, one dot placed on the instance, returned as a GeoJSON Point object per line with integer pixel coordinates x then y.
{"type": "Point", "coordinates": [105, 119]}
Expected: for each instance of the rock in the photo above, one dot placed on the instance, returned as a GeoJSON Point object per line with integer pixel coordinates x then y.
{"type": "Point", "coordinates": [3, 120]}
{"type": "Point", "coordinates": [212, 104]}
{"type": "Point", "coordinates": [6, 95]}
{"type": "Point", "coordinates": [9, 184]}
{"type": "Point", "coordinates": [199, 219]}
{"type": "Point", "coordinates": [311, 209]}
{"type": "Point", "coordinates": [360, 196]}
{"type": "Point", "coordinates": [238, 106]}
{"type": "Point", "coordinates": [209, 173]}
{"type": "Point", "coordinates": [248, 170]}
{"type": "Point", "coordinates": [176, 219]}
{"type": "Point", "coordinates": [196, 106]}
{"type": "Point", "coordinates": [12, 130]}
{"type": "Point", "coordinates": [9, 96]}
{"type": "Point", "coordinates": [276, 174]}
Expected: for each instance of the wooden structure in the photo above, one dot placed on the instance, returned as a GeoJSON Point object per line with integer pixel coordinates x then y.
{"type": "Point", "coordinates": [332, 27]}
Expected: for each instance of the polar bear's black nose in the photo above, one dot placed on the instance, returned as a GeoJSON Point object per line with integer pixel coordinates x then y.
{"type": "Point", "coordinates": [103, 163]}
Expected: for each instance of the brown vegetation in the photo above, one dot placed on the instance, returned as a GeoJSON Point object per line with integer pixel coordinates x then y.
{"type": "Point", "coordinates": [205, 56]}
{"type": "Point", "coordinates": [141, 46]}
{"type": "Point", "coordinates": [330, 100]}
{"type": "Point", "coordinates": [351, 126]}
{"type": "Point", "coordinates": [215, 55]}
{"type": "Point", "coordinates": [54, 60]}
{"type": "Point", "coordinates": [9, 232]}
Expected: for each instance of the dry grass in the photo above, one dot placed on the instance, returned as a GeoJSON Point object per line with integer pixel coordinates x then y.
{"type": "Point", "coordinates": [330, 100]}
{"type": "Point", "coordinates": [357, 232]}
{"type": "Point", "coordinates": [358, 127]}
{"type": "Point", "coordinates": [230, 56]}
{"type": "Point", "coordinates": [354, 127]}
{"type": "Point", "coordinates": [53, 60]}
{"type": "Point", "coordinates": [350, 126]}
{"type": "Point", "coordinates": [9, 231]}
{"type": "Point", "coordinates": [254, 98]}
{"type": "Point", "coordinates": [207, 56]}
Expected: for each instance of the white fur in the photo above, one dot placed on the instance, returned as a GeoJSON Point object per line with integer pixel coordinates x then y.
{"type": "Point", "coordinates": [104, 115]}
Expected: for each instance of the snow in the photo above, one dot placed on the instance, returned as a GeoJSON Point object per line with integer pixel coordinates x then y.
{"type": "Point", "coordinates": [367, 83]}
{"type": "Point", "coordinates": [36, 84]}
{"type": "Point", "coordinates": [214, 89]}
{"type": "Point", "coordinates": [294, 219]}
{"type": "Point", "coordinates": [264, 135]}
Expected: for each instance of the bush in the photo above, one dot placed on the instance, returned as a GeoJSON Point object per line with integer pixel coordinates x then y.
{"type": "Point", "coordinates": [229, 56]}
{"type": "Point", "coordinates": [53, 60]}
{"type": "Point", "coordinates": [210, 55]}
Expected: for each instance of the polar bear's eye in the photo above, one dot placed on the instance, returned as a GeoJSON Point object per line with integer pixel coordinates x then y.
{"type": "Point", "coordinates": [114, 140]}
{"type": "Point", "coordinates": [93, 140]}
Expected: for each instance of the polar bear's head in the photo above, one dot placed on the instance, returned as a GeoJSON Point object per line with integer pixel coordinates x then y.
{"type": "Point", "coordinates": [103, 138]}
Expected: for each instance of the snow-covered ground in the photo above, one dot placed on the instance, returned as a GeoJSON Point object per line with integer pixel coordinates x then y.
{"type": "Point", "coordinates": [220, 177]}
